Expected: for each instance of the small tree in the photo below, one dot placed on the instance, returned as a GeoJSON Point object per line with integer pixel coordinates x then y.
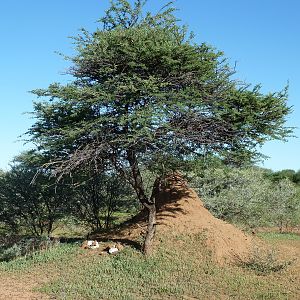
{"type": "Point", "coordinates": [30, 207]}
{"type": "Point", "coordinates": [284, 206]}
{"type": "Point", "coordinates": [98, 198]}
{"type": "Point", "coordinates": [142, 92]}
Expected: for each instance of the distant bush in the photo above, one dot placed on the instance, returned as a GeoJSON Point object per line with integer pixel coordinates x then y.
{"type": "Point", "coordinates": [248, 196]}
{"type": "Point", "coordinates": [14, 247]}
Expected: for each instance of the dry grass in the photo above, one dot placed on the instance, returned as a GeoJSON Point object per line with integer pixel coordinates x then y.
{"type": "Point", "coordinates": [178, 270]}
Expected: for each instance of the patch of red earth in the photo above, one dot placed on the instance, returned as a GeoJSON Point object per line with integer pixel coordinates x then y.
{"type": "Point", "coordinates": [180, 211]}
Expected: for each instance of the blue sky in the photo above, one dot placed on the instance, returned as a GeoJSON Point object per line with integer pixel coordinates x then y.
{"type": "Point", "coordinates": [261, 36]}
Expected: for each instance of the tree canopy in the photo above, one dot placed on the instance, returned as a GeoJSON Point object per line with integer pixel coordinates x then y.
{"type": "Point", "coordinates": [144, 93]}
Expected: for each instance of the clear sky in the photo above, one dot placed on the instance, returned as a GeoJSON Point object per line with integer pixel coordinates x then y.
{"type": "Point", "coordinates": [261, 36]}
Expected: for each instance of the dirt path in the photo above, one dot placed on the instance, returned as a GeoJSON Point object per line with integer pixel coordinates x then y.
{"type": "Point", "coordinates": [16, 287]}
{"type": "Point", "coordinates": [291, 250]}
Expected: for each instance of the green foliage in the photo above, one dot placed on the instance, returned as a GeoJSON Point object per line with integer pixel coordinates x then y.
{"type": "Point", "coordinates": [292, 175]}
{"type": "Point", "coordinates": [23, 246]}
{"type": "Point", "coordinates": [10, 253]}
{"type": "Point", "coordinates": [143, 90]}
{"type": "Point", "coordinates": [285, 204]}
{"type": "Point", "coordinates": [35, 206]}
{"type": "Point", "coordinates": [248, 197]}
{"type": "Point", "coordinates": [26, 206]}
{"type": "Point", "coordinates": [98, 199]}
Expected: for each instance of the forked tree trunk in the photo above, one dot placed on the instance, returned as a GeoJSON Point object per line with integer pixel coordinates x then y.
{"type": "Point", "coordinates": [148, 203]}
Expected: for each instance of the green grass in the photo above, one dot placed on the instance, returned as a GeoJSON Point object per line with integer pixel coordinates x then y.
{"type": "Point", "coordinates": [170, 273]}
{"type": "Point", "coordinates": [176, 270]}
{"type": "Point", "coordinates": [59, 254]}
{"type": "Point", "coordinates": [70, 228]}
{"type": "Point", "coordinates": [121, 217]}
{"type": "Point", "coordinates": [276, 236]}
{"type": "Point", "coordinates": [265, 261]}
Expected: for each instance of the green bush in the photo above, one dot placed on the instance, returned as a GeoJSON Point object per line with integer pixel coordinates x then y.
{"type": "Point", "coordinates": [17, 247]}
{"type": "Point", "coordinates": [247, 196]}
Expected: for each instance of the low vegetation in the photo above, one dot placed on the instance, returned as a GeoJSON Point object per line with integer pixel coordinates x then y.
{"type": "Point", "coordinates": [250, 197]}
{"type": "Point", "coordinates": [166, 274]}
{"type": "Point", "coordinates": [264, 262]}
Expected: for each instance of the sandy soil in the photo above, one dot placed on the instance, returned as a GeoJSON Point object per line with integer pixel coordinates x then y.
{"type": "Point", "coordinates": [15, 287]}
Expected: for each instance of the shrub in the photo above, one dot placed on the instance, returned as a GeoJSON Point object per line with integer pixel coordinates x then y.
{"type": "Point", "coordinates": [12, 248]}
{"type": "Point", "coordinates": [247, 196]}
{"type": "Point", "coordinates": [264, 262]}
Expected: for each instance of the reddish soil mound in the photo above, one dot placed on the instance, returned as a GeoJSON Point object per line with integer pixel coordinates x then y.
{"type": "Point", "coordinates": [183, 212]}
{"type": "Point", "coordinates": [180, 211]}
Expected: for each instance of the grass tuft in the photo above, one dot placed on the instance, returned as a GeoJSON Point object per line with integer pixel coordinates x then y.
{"type": "Point", "coordinates": [264, 262]}
{"type": "Point", "coordinates": [59, 254]}
{"type": "Point", "coordinates": [276, 236]}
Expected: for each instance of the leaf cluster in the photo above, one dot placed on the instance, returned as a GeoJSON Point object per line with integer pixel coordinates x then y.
{"type": "Point", "coordinates": [141, 84]}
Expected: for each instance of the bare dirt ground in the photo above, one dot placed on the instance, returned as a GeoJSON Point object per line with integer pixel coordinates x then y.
{"type": "Point", "coordinates": [15, 287]}
{"type": "Point", "coordinates": [290, 250]}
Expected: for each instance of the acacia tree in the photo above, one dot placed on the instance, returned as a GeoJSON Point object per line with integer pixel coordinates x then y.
{"type": "Point", "coordinates": [143, 91]}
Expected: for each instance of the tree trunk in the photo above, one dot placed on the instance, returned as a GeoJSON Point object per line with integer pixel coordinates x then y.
{"type": "Point", "coordinates": [148, 203]}
{"type": "Point", "coordinates": [50, 225]}
{"type": "Point", "coordinates": [150, 228]}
